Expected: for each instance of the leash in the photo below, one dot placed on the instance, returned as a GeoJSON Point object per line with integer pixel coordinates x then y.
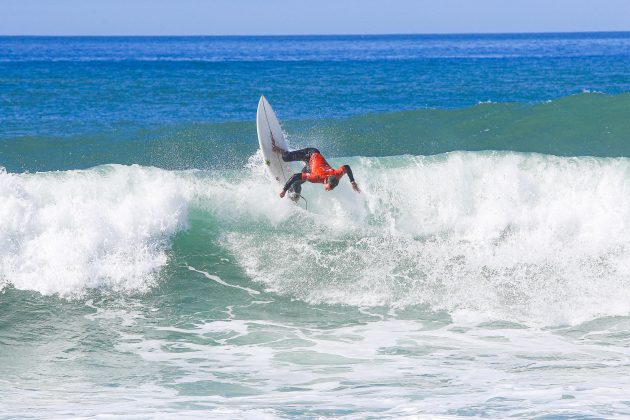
{"type": "Point", "coordinates": [305, 202]}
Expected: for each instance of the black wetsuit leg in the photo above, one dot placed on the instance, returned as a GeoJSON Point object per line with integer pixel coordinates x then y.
{"type": "Point", "coordinates": [296, 187]}
{"type": "Point", "coordinates": [303, 155]}
{"type": "Point", "coordinates": [294, 184]}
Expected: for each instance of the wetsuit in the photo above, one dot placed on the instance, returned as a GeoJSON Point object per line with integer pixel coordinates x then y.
{"type": "Point", "coordinates": [316, 169]}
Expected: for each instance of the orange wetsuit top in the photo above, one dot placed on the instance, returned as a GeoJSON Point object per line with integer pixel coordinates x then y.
{"type": "Point", "coordinates": [318, 171]}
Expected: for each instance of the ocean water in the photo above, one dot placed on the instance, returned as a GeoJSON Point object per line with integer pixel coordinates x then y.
{"type": "Point", "coordinates": [149, 270]}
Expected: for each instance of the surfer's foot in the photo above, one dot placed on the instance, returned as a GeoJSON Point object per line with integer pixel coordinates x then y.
{"type": "Point", "coordinates": [276, 149]}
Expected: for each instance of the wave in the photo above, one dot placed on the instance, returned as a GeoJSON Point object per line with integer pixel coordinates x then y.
{"type": "Point", "coordinates": [527, 237]}
{"type": "Point", "coordinates": [586, 124]}
{"type": "Point", "coordinates": [108, 227]}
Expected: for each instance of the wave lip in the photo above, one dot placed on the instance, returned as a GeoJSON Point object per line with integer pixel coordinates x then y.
{"type": "Point", "coordinates": [66, 232]}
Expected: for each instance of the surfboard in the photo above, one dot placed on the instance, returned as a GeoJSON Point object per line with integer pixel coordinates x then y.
{"type": "Point", "coordinates": [268, 127]}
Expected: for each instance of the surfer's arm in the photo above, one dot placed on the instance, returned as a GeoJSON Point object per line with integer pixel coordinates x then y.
{"type": "Point", "coordinates": [349, 172]}
{"type": "Point", "coordinates": [351, 178]}
{"type": "Point", "coordinates": [290, 182]}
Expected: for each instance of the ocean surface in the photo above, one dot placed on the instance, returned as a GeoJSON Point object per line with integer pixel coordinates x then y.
{"type": "Point", "coordinates": [148, 268]}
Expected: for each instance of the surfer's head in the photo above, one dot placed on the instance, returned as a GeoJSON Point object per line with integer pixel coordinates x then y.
{"type": "Point", "coordinates": [330, 183]}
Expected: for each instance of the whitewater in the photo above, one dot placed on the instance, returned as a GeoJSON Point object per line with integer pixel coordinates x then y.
{"type": "Point", "coordinates": [522, 237]}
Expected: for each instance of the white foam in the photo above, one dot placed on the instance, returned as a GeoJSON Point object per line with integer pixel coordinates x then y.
{"type": "Point", "coordinates": [223, 283]}
{"type": "Point", "coordinates": [531, 238]}
{"type": "Point", "coordinates": [64, 232]}
{"type": "Point", "coordinates": [395, 367]}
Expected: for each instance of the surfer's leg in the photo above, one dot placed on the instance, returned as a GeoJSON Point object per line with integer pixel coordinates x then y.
{"type": "Point", "coordinates": [296, 188]}
{"type": "Point", "coordinates": [295, 155]}
{"type": "Point", "coordinates": [299, 155]}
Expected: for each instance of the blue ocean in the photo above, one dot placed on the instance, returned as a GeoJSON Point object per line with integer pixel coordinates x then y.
{"type": "Point", "coordinates": [148, 268]}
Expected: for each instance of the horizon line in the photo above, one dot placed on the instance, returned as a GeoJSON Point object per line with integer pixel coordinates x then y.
{"type": "Point", "coordinates": [314, 35]}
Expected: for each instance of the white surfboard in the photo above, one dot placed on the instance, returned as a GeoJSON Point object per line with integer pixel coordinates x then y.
{"type": "Point", "coordinates": [267, 126]}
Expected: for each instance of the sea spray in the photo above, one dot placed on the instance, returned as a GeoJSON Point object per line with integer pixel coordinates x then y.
{"type": "Point", "coordinates": [525, 237]}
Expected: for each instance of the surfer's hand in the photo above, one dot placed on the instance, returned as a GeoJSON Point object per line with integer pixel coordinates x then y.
{"type": "Point", "coordinates": [282, 193]}
{"type": "Point", "coordinates": [355, 187]}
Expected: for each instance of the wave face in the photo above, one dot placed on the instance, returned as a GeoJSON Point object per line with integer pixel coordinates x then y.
{"type": "Point", "coordinates": [588, 124]}
{"type": "Point", "coordinates": [523, 237]}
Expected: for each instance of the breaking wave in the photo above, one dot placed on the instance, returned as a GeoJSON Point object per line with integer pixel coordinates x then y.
{"type": "Point", "coordinates": [506, 235]}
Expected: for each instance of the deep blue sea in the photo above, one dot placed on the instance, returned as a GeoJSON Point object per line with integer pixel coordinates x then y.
{"type": "Point", "coordinates": [148, 268]}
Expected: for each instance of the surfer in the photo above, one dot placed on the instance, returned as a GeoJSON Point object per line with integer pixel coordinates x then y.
{"type": "Point", "coordinates": [317, 170]}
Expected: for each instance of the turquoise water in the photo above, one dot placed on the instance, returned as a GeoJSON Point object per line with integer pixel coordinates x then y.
{"type": "Point", "coordinates": [148, 268]}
